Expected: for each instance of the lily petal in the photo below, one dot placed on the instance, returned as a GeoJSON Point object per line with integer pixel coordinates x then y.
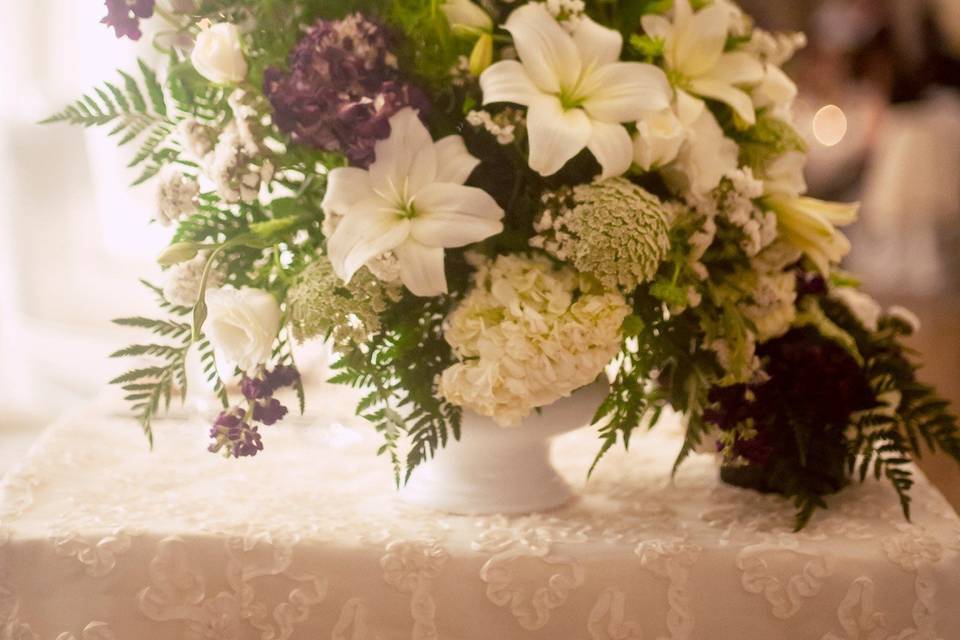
{"type": "Point", "coordinates": [623, 91]}
{"type": "Point", "coordinates": [738, 67]}
{"type": "Point", "coordinates": [508, 81]}
{"type": "Point", "coordinates": [421, 269]}
{"type": "Point", "coordinates": [556, 136]}
{"type": "Point", "coordinates": [370, 229]}
{"type": "Point", "coordinates": [406, 161]}
{"type": "Point", "coordinates": [610, 144]}
{"type": "Point", "coordinates": [454, 162]}
{"type": "Point", "coordinates": [546, 50]}
{"type": "Point", "coordinates": [656, 26]}
{"type": "Point", "coordinates": [697, 41]}
{"type": "Point", "coordinates": [738, 100]}
{"type": "Point", "coordinates": [598, 45]}
{"type": "Point", "coordinates": [450, 215]}
{"type": "Point", "coordinates": [346, 186]}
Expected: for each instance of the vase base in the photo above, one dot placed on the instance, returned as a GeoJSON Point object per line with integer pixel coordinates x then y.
{"type": "Point", "coordinates": [464, 494]}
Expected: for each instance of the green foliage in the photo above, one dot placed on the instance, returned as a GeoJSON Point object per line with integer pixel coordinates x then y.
{"type": "Point", "coordinates": [151, 387]}
{"type": "Point", "coordinates": [398, 367]}
{"type": "Point", "coordinates": [768, 139]}
{"type": "Point", "coordinates": [136, 111]}
{"type": "Point", "coordinates": [909, 417]}
{"type": "Point", "coordinates": [145, 112]}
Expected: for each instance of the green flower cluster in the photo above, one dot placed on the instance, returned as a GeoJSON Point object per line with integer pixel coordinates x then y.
{"type": "Point", "coordinates": [613, 230]}
{"type": "Point", "coordinates": [319, 304]}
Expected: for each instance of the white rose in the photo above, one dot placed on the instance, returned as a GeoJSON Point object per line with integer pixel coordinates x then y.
{"type": "Point", "coordinates": [658, 139]}
{"type": "Point", "coordinates": [217, 55]}
{"type": "Point", "coordinates": [242, 325]}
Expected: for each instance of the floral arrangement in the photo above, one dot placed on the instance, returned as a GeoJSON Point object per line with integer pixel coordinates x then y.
{"type": "Point", "coordinates": [487, 206]}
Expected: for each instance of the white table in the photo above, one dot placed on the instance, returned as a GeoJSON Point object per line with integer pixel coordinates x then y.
{"type": "Point", "coordinates": [100, 539]}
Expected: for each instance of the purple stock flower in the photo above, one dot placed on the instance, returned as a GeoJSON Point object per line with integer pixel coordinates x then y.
{"type": "Point", "coordinates": [234, 435]}
{"type": "Point", "coordinates": [341, 89]}
{"type": "Point", "coordinates": [268, 411]}
{"type": "Point", "coordinates": [124, 16]}
{"type": "Point", "coordinates": [266, 383]}
{"type": "Point", "coordinates": [282, 376]}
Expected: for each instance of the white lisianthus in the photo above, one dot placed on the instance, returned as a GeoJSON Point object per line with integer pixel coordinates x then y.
{"type": "Point", "coordinates": [576, 91]}
{"type": "Point", "coordinates": [411, 203]}
{"type": "Point", "coordinates": [218, 56]}
{"type": "Point", "coordinates": [775, 92]}
{"type": "Point", "coordinates": [242, 325]}
{"type": "Point", "coordinates": [864, 308]}
{"type": "Point", "coordinates": [658, 139]}
{"type": "Point", "coordinates": [694, 45]}
{"type": "Point", "coordinates": [527, 335]}
{"type": "Point", "coordinates": [706, 154]}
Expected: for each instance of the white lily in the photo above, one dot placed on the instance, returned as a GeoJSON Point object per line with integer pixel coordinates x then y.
{"type": "Point", "coordinates": [807, 223]}
{"type": "Point", "coordinates": [687, 144]}
{"type": "Point", "coordinates": [411, 202]}
{"type": "Point", "coordinates": [694, 52]}
{"type": "Point", "coordinates": [576, 91]}
{"type": "Point", "coordinates": [775, 92]}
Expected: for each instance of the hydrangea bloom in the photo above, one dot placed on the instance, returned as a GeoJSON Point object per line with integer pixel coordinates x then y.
{"type": "Point", "coordinates": [124, 16]}
{"type": "Point", "coordinates": [613, 230]}
{"type": "Point", "coordinates": [527, 335]}
{"type": "Point", "coordinates": [341, 89]}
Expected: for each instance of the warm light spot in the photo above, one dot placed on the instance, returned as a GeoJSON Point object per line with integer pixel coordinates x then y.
{"type": "Point", "coordinates": [829, 125]}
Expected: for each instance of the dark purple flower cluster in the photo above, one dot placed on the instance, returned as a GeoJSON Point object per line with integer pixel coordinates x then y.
{"type": "Point", "coordinates": [233, 431]}
{"type": "Point", "coordinates": [814, 386]}
{"type": "Point", "coordinates": [125, 15]}
{"type": "Point", "coordinates": [341, 88]}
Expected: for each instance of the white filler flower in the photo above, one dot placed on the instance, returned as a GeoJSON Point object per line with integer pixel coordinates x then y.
{"type": "Point", "coordinates": [694, 52]}
{"type": "Point", "coordinates": [576, 90]}
{"type": "Point", "coordinates": [242, 325]}
{"type": "Point", "coordinates": [412, 203]}
{"type": "Point", "coordinates": [218, 56]}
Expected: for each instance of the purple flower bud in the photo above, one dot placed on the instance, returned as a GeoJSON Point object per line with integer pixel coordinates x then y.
{"type": "Point", "coordinates": [255, 388]}
{"type": "Point", "coordinates": [282, 376]}
{"type": "Point", "coordinates": [268, 411]}
{"type": "Point", "coordinates": [124, 16]}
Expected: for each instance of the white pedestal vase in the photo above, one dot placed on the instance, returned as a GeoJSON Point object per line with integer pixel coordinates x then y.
{"type": "Point", "coordinates": [504, 470]}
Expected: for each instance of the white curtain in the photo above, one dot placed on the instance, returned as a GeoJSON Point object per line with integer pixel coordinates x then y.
{"type": "Point", "coordinates": [73, 238]}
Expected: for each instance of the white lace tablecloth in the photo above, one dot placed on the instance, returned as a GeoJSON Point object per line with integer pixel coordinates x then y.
{"type": "Point", "coordinates": [100, 539]}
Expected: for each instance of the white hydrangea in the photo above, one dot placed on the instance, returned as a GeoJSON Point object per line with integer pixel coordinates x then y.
{"type": "Point", "coordinates": [176, 196]}
{"type": "Point", "coordinates": [772, 308]}
{"type": "Point", "coordinates": [527, 335]}
{"type": "Point", "coordinates": [182, 281]}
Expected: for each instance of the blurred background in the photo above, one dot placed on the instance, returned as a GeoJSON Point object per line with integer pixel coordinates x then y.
{"type": "Point", "coordinates": [880, 105]}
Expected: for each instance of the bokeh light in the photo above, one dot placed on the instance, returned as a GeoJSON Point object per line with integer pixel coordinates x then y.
{"type": "Point", "coordinates": [829, 125]}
